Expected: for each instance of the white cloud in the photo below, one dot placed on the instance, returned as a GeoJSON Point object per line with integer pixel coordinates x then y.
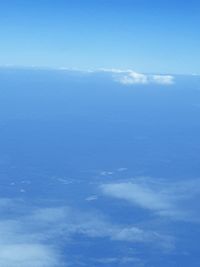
{"type": "Point", "coordinates": [174, 200]}
{"type": "Point", "coordinates": [23, 241]}
{"type": "Point", "coordinates": [22, 246]}
{"type": "Point", "coordinates": [163, 79]}
{"type": "Point", "coordinates": [31, 255]}
{"type": "Point", "coordinates": [123, 76]}
{"type": "Point", "coordinates": [133, 78]}
{"type": "Point", "coordinates": [136, 194]}
{"type": "Point", "coordinates": [68, 222]}
{"type": "Point", "coordinates": [30, 239]}
{"type": "Point", "coordinates": [130, 77]}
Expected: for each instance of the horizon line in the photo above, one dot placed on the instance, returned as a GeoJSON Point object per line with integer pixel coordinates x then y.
{"type": "Point", "coordinates": [90, 70]}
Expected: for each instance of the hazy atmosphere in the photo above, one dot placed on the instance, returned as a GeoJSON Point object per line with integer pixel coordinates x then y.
{"type": "Point", "coordinates": [99, 133]}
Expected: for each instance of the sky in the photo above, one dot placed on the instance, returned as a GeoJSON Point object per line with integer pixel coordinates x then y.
{"type": "Point", "coordinates": [155, 36]}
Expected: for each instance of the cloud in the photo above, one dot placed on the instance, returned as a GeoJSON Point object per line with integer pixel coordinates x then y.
{"type": "Point", "coordinates": [125, 77]}
{"type": "Point", "coordinates": [137, 194]}
{"type": "Point", "coordinates": [135, 234]}
{"type": "Point", "coordinates": [49, 215]}
{"type": "Point", "coordinates": [134, 261]}
{"type": "Point", "coordinates": [33, 238]}
{"type": "Point", "coordinates": [130, 77]}
{"type": "Point", "coordinates": [92, 198]}
{"type": "Point", "coordinates": [23, 255]}
{"type": "Point", "coordinates": [173, 200]}
{"type": "Point", "coordinates": [163, 79]}
{"type": "Point", "coordinates": [21, 246]}
{"type": "Point", "coordinates": [68, 222]}
{"type": "Point", "coordinates": [26, 235]}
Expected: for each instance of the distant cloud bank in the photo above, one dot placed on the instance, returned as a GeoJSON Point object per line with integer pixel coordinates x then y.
{"type": "Point", "coordinates": [129, 77]}
{"type": "Point", "coordinates": [125, 77]}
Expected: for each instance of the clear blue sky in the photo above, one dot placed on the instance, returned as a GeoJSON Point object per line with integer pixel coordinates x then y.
{"type": "Point", "coordinates": [145, 35]}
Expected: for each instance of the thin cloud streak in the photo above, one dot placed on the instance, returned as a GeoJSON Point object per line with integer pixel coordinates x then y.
{"type": "Point", "coordinates": [173, 200]}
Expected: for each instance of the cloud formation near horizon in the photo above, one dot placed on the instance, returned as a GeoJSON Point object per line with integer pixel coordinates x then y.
{"type": "Point", "coordinates": [130, 77]}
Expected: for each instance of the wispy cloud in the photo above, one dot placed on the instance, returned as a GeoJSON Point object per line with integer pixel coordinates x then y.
{"type": "Point", "coordinates": [163, 79]}
{"type": "Point", "coordinates": [23, 255]}
{"type": "Point", "coordinates": [21, 247]}
{"type": "Point", "coordinates": [173, 200]}
{"type": "Point", "coordinates": [125, 77]}
{"type": "Point", "coordinates": [31, 238]}
{"type": "Point", "coordinates": [70, 222]}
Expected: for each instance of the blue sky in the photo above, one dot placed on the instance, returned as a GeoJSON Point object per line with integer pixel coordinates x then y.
{"type": "Point", "coordinates": [147, 36]}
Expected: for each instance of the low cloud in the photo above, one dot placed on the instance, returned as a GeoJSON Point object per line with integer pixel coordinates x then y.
{"type": "Point", "coordinates": [173, 200]}
{"type": "Point", "coordinates": [138, 195]}
{"type": "Point", "coordinates": [130, 77]}
{"type": "Point", "coordinates": [33, 238]}
{"type": "Point", "coordinates": [93, 225]}
{"type": "Point", "coordinates": [31, 255]}
{"type": "Point", "coordinates": [163, 79]}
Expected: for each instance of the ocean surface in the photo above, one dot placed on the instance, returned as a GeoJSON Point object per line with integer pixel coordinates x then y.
{"type": "Point", "coordinates": [95, 172]}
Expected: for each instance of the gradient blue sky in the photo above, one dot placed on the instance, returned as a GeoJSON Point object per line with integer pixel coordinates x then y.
{"type": "Point", "coordinates": [147, 36]}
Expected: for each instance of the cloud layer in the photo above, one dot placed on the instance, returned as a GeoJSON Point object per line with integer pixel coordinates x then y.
{"type": "Point", "coordinates": [130, 77]}
{"type": "Point", "coordinates": [23, 255]}
{"type": "Point", "coordinates": [32, 238]}
{"type": "Point", "coordinates": [173, 200]}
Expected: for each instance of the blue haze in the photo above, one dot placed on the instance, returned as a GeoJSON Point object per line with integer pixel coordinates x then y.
{"type": "Point", "coordinates": [67, 138]}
